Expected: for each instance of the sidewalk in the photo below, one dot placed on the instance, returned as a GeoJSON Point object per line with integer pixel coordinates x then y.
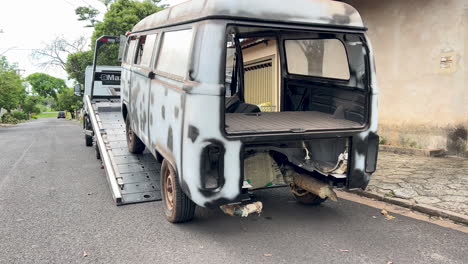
{"type": "Point", "coordinates": [438, 183]}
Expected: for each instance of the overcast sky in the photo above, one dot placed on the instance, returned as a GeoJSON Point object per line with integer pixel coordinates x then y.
{"type": "Point", "coordinates": [29, 24]}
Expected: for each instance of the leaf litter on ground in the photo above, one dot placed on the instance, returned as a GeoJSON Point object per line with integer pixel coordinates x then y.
{"type": "Point", "coordinates": [387, 215]}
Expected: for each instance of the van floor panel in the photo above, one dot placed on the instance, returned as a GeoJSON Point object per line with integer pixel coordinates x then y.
{"type": "Point", "coordinates": [241, 123]}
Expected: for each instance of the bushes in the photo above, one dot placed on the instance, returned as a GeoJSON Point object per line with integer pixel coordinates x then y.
{"type": "Point", "coordinates": [8, 118]}
{"type": "Point", "coordinates": [20, 115]}
{"type": "Point", "coordinates": [14, 117]}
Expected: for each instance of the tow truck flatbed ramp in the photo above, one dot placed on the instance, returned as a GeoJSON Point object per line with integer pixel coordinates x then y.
{"type": "Point", "coordinates": [133, 178]}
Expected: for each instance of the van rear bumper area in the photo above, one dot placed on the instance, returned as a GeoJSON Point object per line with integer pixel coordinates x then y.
{"type": "Point", "coordinates": [264, 165]}
{"type": "Point", "coordinates": [267, 122]}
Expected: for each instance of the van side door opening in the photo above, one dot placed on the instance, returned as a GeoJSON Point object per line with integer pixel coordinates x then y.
{"type": "Point", "coordinates": [284, 81]}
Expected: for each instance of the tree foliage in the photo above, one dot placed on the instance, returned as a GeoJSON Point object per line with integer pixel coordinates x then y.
{"type": "Point", "coordinates": [120, 18]}
{"type": "Point", "coordinates": [106, 3]}
{"type": "Point", "coordinates": [54, 54]}
{"type": "Point", "coordinates": [46, 85]}
{"type": "Point", "coordinates": [76, 65]}
{"type": "Point", "coordinates": [31, 104]}
{"type": "Point", "coordinates": [12, 89]}
{"type": "Point", "coordinates": [68, 101]}
{"type": "Point", "coordinates": [87, 13]}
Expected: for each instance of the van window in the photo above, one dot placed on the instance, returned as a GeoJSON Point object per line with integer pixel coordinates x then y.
{"type": "Point", "coordinates": [145, 59]}
{"type": "Point", "coordinates": [129, 50]}
{"type": "Point", "coordinates": [139, 51]}
{"type": "Point", "coordinates": [174, 53]}
{"type": "Point", "coordinates": [317, 57]}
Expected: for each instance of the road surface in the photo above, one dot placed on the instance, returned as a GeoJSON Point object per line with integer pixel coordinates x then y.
{"type": "Point", "coordinates": [55, 205]}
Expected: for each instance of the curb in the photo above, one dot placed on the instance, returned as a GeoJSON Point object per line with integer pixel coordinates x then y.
{"type": "Point", "coordinates": [413, 151]}
{"type": "Point", "coordinates": [426, 209]}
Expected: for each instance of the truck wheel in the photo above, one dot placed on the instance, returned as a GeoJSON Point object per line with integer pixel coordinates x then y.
{"type": "Point", "coordinates": [178, 208]}
{"type": "Point", "coordinates": [133, 142]}
{"type": "Point", "coordinates": [98, 154]}
{"type": "Point", "coordinates": [309, 199]}
{"type": "Point", "coordinates": [88, 139]}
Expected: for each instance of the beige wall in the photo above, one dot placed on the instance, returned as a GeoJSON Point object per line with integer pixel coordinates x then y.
{"type": "Point", "coordinates": [262, 51]}
{"type": "Point", "coordinates": [410, 38]}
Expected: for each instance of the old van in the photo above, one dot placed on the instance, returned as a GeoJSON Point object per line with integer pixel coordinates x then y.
{"type": "Point", "coordinates": [234, 96]}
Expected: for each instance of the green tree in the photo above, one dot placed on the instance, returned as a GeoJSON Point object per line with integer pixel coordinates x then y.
{"type": "Point", "coordinates": [87, 13]}
{"type": "Point", "coordinates": [46, 85]}
{"type": "Point", "coordinates": [68, 101]}
{"type": "Point", "coordinates": [76, 65]}
{"type": "Point", "coordinates": [11, 86]}
{"type": "Point", "coordinates": [106, 3]}
{"type": "Point", "coordinates": [31, 104]}
{"type": "Point", "coordinates": [122, 16]}
{"type": "Point", "coordinates": [54, 54]}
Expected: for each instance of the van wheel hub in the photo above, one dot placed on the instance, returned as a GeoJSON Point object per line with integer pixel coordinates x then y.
{"type": "Point", "coordinates": [169, 191]}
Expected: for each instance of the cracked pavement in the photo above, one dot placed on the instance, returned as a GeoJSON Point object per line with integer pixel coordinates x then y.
{"type": "Point", "coordinates": [438, 182]}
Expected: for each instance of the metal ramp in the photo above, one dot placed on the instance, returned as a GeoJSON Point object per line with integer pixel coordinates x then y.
{"type": "Point", "coordinates": [133, 178]}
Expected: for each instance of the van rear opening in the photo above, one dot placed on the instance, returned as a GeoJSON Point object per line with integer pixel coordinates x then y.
{"type": "Point", "coordinates": [280, 81]}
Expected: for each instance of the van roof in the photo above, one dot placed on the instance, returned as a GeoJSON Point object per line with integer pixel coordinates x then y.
{"type": "Point", "coordinates": [310, 12]}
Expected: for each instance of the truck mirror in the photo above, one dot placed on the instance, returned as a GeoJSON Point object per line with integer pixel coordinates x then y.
{"type": "Point", "coordinates": [77, 89]}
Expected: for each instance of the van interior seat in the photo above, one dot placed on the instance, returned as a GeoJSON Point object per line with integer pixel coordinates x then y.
{"type": "Point", "coordinates": [234, 105]}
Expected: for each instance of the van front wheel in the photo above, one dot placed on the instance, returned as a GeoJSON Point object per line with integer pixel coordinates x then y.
{"type": "Point", "coordinates": [178, 208]}
{"type": "Point", "coordinates": [133, 141]}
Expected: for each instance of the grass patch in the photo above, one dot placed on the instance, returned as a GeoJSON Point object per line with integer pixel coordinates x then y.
{"type": "Point", "coordinates": [51, 114]}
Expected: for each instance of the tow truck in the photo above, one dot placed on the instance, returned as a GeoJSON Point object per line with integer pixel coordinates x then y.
{"type": "Point", "coordinates": [133, 178]}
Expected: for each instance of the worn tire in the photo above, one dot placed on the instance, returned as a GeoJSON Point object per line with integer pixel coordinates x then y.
{"type": "Point", "coordinates": [88, 139]}
{"type": "Point", "coordinates": [98, 154]}
{"type": "Point", "coordinates": [134, 143]}
{"type": "Point", "coordinates": [178, 208]}
{"type": "Point", "coordinates": [309, 199]}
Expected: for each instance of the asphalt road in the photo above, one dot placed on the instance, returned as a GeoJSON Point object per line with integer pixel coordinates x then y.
{"type": "Point", "coordinates": [55, 205]}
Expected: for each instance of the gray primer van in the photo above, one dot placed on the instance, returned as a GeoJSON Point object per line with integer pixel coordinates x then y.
{"type": "Point", "coordinates": [241, 95]}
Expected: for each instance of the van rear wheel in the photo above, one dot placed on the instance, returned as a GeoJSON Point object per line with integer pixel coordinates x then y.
{"type": "Point", "coordinates": [178, 208]}
{"type": "Point", "coordinates": [134, 143]}
{"type": "Point", "coordinates": [308, 198]}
